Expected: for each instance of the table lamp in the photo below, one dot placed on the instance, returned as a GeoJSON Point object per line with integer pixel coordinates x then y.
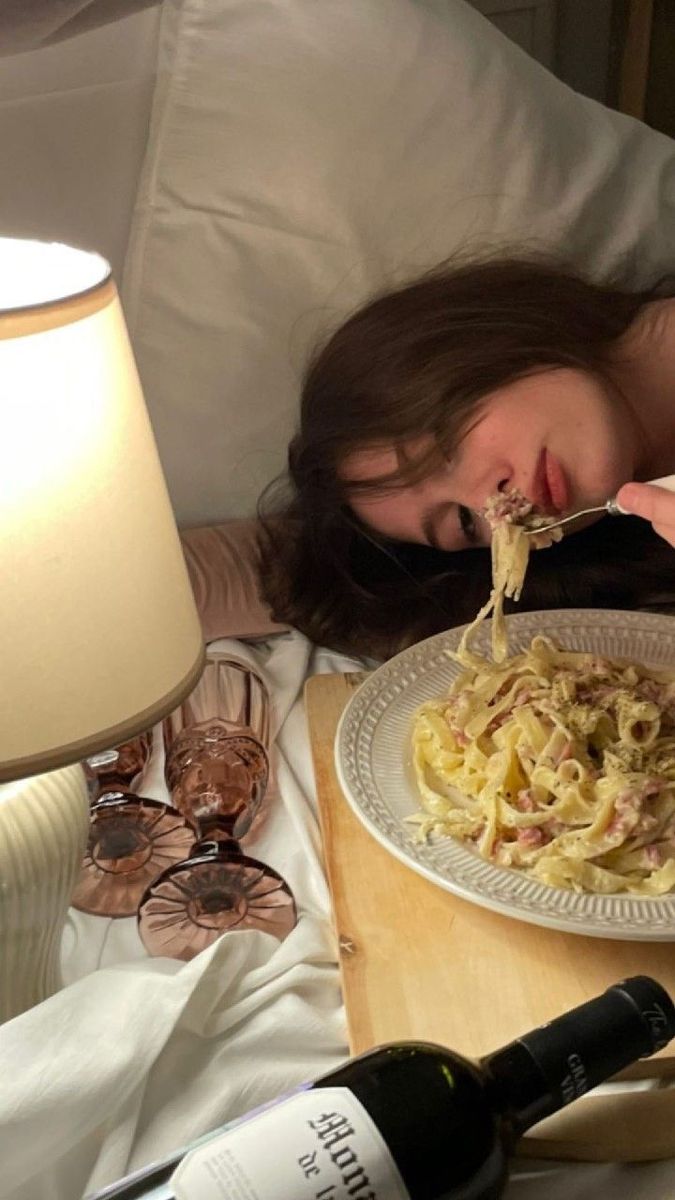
{"type": "Point", "coordinates": [99, 635]}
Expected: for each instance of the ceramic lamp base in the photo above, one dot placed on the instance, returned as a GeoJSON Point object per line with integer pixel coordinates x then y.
{"type": "Point", "coordinates": [44, 824]}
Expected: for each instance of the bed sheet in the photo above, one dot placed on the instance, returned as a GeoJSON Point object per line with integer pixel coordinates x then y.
{"type": "Point", "coordinates": [136, 1056]}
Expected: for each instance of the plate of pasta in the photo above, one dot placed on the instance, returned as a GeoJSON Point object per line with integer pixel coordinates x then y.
{"type": "Point", "coordinates": [541, 786]}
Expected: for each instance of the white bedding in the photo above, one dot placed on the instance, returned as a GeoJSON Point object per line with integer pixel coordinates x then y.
{"type": "Point", "coordinates": [139, 1055]}
{"type": "Point", "coordinates": [136, 1056]}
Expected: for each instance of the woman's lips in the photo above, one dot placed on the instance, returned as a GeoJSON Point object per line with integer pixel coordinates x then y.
{"type": "Point", "coordinates": [556, 483]}
{"type": "Point", "coordinates": [541, 493]}
{"type": "Point", "coordinates": [549, 486]}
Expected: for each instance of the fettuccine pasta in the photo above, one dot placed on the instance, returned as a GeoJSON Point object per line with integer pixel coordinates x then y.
{"type": "Point", "coordinates": [556, 762]}
{"type": "Point", "coordinates": [511, 516]}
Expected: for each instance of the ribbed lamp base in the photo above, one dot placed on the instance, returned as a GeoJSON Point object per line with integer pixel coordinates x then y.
{"type": "Point", "coordinates": [44, 824]}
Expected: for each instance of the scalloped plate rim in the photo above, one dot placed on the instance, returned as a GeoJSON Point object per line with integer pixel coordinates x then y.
{"type": "Point", "coordinates": [584, 916]}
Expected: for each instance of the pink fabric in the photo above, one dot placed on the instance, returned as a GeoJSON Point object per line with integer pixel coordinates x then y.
{"type": "Point", "coordinates": [223, 564]}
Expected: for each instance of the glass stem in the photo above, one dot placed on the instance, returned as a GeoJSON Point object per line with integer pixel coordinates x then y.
{"type": "Point", "coordinates": [215, 836]}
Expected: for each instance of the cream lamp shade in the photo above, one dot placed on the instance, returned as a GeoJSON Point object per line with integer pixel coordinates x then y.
{"type": "Point", "coordinates": [99, 635]}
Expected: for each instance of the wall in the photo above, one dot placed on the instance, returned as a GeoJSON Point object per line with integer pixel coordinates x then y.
{"type": "Point", "coordinates": [73, 124]}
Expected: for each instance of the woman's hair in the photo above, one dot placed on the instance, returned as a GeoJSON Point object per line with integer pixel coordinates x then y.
{"type": "Point", "coordinates": [419, 361]}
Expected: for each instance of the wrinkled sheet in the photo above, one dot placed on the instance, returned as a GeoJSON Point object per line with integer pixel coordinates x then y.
{"type": "Point", "coordinates": [136, 1056]}
{"type": "Point", "coordinates": [28, 24]}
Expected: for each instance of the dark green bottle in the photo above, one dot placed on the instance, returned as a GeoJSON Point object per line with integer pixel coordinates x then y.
{"type": "Point", "coordinates": [413, 1121]}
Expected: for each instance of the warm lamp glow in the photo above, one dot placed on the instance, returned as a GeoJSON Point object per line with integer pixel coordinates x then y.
{"type": "Point", "coordinates": [98, 631]}
{"type": "Point", "coordinates": [37, 273]}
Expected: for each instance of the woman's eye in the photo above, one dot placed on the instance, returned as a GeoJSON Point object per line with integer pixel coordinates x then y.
{"type": "Point", "coordinates": [467, 523]}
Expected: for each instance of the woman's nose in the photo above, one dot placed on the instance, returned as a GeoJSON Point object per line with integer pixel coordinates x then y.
{"type": "Point", "coordinates": [486, 488]}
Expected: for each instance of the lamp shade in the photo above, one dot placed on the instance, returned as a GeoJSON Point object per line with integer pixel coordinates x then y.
{"type": "Point", "coordinates": [99, 635]}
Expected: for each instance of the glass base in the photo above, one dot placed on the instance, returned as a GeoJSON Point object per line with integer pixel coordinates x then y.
{"type": "Point", "coordinates": [132, 840]}
{"type": "Point", "coordinates": [197, 901]}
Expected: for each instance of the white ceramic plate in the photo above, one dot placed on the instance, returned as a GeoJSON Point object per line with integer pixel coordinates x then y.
{"type": "Point", "coordinates": [373, 760]}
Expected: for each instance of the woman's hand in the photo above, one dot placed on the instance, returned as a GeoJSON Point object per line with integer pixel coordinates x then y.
{"type": "Point", "coordinates": [655, 504]}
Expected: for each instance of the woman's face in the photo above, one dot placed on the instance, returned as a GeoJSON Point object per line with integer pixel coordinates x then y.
{"type": "Point", "coordinates": [563, 438]}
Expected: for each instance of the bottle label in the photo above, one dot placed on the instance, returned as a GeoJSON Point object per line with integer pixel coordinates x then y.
{"type": "Point", "coordinates": [319, 1144]}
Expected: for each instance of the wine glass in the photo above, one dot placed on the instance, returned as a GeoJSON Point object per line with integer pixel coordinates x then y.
{"type": "Point", "coordinates": [115, 770]}
{"type": "Point", "coordinates": [217, 770]}
{"type": "Point", "coordinates": [132, 838]}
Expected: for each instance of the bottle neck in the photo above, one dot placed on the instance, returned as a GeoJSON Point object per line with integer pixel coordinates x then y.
{"type": "Point", "coordinates": [546, 1069]}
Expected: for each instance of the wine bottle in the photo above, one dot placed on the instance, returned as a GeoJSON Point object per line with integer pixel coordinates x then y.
{"type": "Point", "coordinates": [412, 1120]}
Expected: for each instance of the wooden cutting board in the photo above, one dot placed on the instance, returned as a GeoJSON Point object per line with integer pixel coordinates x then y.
{"type": "Point", "coordinates": [420, 963]}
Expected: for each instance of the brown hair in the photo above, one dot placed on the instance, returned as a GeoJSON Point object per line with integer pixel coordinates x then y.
{"type": "Point", "coordinates": [420, 360]}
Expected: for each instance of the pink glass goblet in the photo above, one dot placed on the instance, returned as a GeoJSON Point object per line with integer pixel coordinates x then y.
{"type": "Point", "coordinates": [132, 838]}
{"type": "Point", "coordinates": [115, 770]}
{"type": "Point", "coordinates": [217, 770]}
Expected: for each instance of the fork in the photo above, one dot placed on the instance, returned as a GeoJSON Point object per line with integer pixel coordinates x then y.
{"type": "Point", "coordinates": [610, 506]}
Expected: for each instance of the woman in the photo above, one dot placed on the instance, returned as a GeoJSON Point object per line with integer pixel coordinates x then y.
{"type": "Point", "coordinates": [507, 373]}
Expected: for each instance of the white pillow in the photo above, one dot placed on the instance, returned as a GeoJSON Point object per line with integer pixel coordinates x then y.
{"type": "Point", "coordinates": [304, 153]}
